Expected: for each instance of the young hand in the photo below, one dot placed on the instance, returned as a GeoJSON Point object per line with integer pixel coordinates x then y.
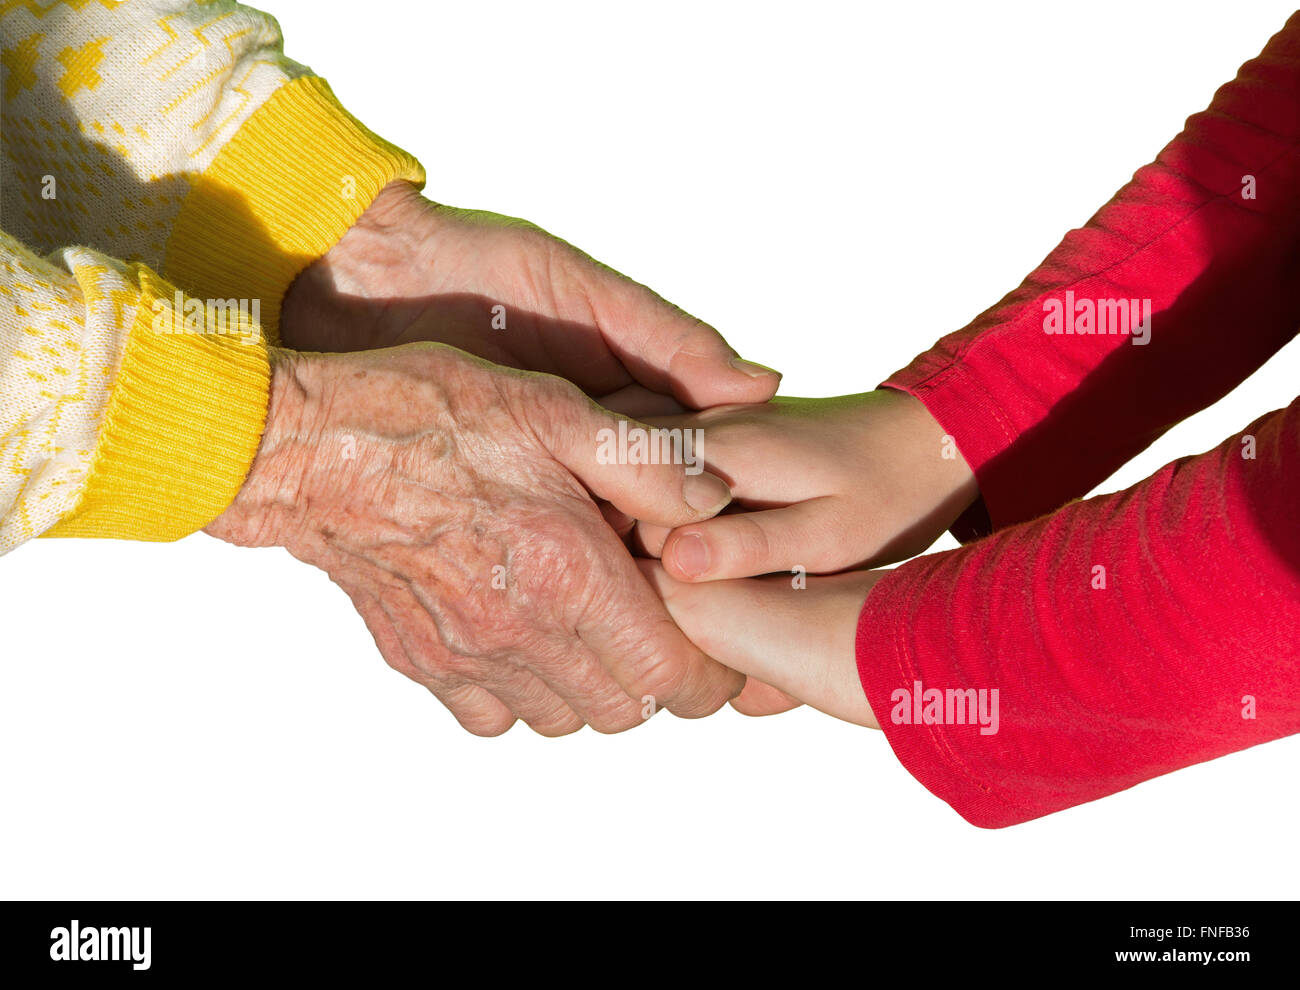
{"type": "Point", "coordinates": [798, 641]}
{"type": "Point", "coordinates": [854, 481]}
{"type": "Point", "coordinates": [845, 482]}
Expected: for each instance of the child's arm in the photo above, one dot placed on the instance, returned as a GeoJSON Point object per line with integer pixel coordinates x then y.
{"type": "Point", "coordinates": [1208, 234]}
{"type": "Point", "coordinates": [1125, 636]}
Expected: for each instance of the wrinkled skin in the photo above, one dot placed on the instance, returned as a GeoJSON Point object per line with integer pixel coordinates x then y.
{"type": "Point", "coordinates": [412, 270]}
{"type": "Point", "coordinates": [454, 469]}
{"type": "Point", "coordinates": [847, 482]}
{"type": "Point", "coordinates": [419, 477]}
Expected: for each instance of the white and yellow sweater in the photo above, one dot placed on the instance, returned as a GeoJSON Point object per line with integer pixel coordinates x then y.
{"type": "Point", "coordinates": [177, 136]}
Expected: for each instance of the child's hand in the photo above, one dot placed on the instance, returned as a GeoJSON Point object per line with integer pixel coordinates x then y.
{"type": "Point", "coordinates": [852, 481]}
{"type": "Point", "coordinates": [798, 640]}
{"type": "Point", "coordinates": [859, 480]}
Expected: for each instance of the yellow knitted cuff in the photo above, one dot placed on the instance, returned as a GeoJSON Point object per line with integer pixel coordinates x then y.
{"type": "Point", "coordinates": [183, 422]}
{"type": "Point", "coordinates": [280, 194]}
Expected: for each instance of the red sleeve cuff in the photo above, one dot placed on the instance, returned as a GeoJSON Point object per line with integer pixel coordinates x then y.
{"type": "Point", "coordinates": [930, 753]}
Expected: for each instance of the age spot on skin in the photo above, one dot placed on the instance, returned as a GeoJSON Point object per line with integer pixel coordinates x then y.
{"type": "Point", "coordinates": [437, 445]}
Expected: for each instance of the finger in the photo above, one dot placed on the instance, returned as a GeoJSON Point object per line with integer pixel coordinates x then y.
{"type": "Point", "coordinates": [512, 688]}
{"type": "Point", "coordinates": [637, 401]}
{"type": "Point", "coordinates": [669, 351]}
{"type": "Point", "coordinates": [517, 684]}
{"type": "Point", "coordinates": [474, 708]}
{"type": "Point", "coordinates": [801, 642]}
{"type": "Point", "coordinates": [477, 709]}
{"type": "Point", "coordinates": [762, 699]}
{"type": "Point", "coordinates": [617, 520]}
{"type": "Point", "coordinates": [648, 539]}
{"type": "Point", "coordinates": [744, 544]}
{"type": "Point", "coordinates": [646, 473]}
{"type": "Point", "coordinates": [529, 697]}
{"type": "Point", "coordinates": [649, 657]}
{"type": "Point", "coordinates": [591, 691]}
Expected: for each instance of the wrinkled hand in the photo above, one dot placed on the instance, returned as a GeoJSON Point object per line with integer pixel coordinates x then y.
{"type": "Point", "coordinates": [507, 291]}
{"type": "Point", "coordinates": [450, 499]}
{"type": "Point", "coordinates": [848, 482]}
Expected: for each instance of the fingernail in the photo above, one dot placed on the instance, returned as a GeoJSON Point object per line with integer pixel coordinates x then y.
{"type": "Point", "coordinates": [692, 555]}
{"type": "Point", "coordinates": [753, 368]}
{"type": "Point", "coordinates": [705, 492]}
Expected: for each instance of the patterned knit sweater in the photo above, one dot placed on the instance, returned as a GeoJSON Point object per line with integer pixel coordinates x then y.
{"type": "Point", "coordinates": [165, 173]}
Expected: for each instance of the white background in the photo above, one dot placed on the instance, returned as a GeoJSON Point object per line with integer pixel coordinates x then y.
{"type": "Point", "coordinates": [834, 186]}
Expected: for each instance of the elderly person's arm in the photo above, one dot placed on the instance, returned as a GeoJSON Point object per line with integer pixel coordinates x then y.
{"type": "Point", "coordinates": [114, 422]}
{"type": "Point", "coordinates": [179, 134]}
{"type": "Point", "coordinates": [188, 140]}
{"type": "Point", "coordinates": [449, 498]}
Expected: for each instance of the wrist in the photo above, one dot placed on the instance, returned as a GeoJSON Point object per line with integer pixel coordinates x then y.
{"type": "Point", "coordinates": [337, 303]}
{"type": "Point", "coordinates": [934, 453]}
{"type": "Point", "coordinates": [263, 510]}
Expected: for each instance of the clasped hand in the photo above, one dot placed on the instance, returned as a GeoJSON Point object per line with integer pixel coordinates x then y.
{"type": "Point", "coordinates": [431, 444]}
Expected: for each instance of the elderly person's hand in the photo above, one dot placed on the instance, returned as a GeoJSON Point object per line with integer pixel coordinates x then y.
{"type": "Point", "coordinates": [505, 290]}
{"type": "Point", "coordinates": [450, 499]}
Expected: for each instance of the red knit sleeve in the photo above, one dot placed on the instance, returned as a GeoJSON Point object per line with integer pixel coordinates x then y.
{"type": "Point", "coordinates": [1122, 637]}
{"type": "Point", "coordinates": [1208, 235]}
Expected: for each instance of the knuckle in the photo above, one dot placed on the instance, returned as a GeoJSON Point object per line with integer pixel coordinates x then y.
{"type": "Point", "coordinates": [557, 564]}
{"type": "Point", "coordinates": [556, 392]}
{"type": "Point", "coordinates": [665, 679]}
{"type": "Point", "coordinates": [704, 701]}
{"type": "Point", "coordinates": [712, 688]}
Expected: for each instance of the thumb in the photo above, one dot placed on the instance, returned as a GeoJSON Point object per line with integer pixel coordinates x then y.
{"type": "Point", "coordinates": [645, 472]}
{"type": "Point", "coordinates": [671, 352]}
